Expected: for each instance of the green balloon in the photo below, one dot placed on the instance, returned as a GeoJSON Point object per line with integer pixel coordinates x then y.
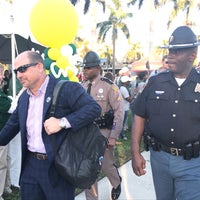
{"type": "Point", "coordinates": [47, 63]}
{"type": "Point", "coordinates": [46, 53]}
{"type": "Point", "coordinates": [74, 48]}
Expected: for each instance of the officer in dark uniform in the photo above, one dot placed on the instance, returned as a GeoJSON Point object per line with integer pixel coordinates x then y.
{"type": "Point", "coordinates": [108, 96]}
{"type": "Point", "coordinates": [167, 114]}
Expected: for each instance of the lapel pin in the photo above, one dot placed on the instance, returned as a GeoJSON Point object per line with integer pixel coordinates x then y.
{"type": "Point", "coordinates": [48, 99]}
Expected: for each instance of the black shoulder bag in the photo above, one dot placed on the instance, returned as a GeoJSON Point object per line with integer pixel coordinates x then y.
{"type": "Point", "coordinates": [79, 158]}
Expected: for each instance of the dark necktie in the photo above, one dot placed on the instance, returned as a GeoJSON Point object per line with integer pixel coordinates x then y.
{"type": "Point", "coordinates": [89, 88]}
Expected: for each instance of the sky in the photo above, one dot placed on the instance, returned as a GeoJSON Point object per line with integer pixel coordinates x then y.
{"type": "Point", "coordinates": [138, 24]}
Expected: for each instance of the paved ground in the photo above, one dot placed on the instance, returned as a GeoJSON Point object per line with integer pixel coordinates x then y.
{"type": "Point", "coordinates": [133, 187]}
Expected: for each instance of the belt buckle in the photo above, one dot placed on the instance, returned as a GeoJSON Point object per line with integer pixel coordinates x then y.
{"type": "Point", "coordinates": [174, 151]}
{"type": "Point", "coordinates": [41, 157]}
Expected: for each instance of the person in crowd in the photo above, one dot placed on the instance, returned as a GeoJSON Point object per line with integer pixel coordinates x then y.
{"type": "Point", "coordinates": [127, 98]}
{"type": "Point", "coordinates": [162, 68]}
{"type": "Point", "coordinates": [5, 104]}
{"type": "Point", "coordinates": [141, 81]}
{"type": "Point", "coordinates": [142, 76]}
{"type": "Point", "coordinates": [110, 76]}
{"type": "Point", "coordinates": [108, 96]}
{"type": "Point", "coordinates": [125, 71]}
{"type": "Point", "coordinates": [167, 115]}
{"type": "Point", "coordinates": [39, 178]}
{"type": "Point", "coordinates": [6, 81]}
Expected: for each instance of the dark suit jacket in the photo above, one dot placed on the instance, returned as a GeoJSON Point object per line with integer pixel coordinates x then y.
{"type": "Point", "coordinates": [74, 103]}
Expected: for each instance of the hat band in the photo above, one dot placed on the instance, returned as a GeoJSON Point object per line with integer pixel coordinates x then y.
{"type": "Point", "coordinates": [180, 45]}
{"type": "Point", "coordinates": [184, 45]}
{"type": "Point", "coordinates": [91, 64]}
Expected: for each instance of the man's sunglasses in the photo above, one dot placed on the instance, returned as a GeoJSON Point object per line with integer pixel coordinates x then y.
{"type": "Point", "coordinates": [23, 68]}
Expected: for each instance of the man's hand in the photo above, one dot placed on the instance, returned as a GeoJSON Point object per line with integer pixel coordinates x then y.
{"type": "Point", "coordinates": [51, 125]}
{"type": "Point", "coordinates": [139, 165]}
{"type": "Point", "coordinates": [111, 142]}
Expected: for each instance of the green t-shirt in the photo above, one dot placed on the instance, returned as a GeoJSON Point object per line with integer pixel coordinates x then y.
{"type": "Point", "coordinates": [5, 103]}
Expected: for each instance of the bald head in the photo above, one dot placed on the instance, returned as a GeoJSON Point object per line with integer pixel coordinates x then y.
{"type": "Point", "coordinates": [29, 69]}
{"type": "Point", "coordinates": [31, 55]}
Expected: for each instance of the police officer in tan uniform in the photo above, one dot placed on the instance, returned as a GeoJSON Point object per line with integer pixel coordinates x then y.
{"type": "Point", "coordinates": [108, 96]}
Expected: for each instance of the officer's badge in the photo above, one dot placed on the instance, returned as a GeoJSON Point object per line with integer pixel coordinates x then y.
{"type": "Point", "coordinates": [197, 88]}
{"type": "Point", "coordinates": [101, 90]}
{"type": "Point", "coordinates": [48, 99]}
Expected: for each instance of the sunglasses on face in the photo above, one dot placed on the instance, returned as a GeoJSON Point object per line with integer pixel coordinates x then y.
{"type": "Point", "coordinates": [178, 51]}
{"type": "Point", "coordinates": [87, 68]}
{"type": "Point", "coordinates": [23, 68]}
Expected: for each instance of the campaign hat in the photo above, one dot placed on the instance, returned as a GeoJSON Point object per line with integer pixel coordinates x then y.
{"type": "Point", "coordinates": [183, 37]}
{"type": "Point", "coordinates": [91, 59]}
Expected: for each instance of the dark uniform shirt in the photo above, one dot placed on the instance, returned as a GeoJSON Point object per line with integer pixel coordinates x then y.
{"type": "Point", "coordinates": [172, 111]}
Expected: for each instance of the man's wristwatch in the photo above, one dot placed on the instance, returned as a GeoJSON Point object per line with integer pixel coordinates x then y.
{"type": "Point", "coordinates": [62, 122]}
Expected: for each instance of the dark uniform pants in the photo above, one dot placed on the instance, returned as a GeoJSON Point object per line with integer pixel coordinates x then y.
{"type": "Point", "coordinates": [175, 178]}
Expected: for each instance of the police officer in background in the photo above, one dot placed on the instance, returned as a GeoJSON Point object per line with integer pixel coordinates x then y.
{"type": "Point", "coordinates": [169, 111]}
{"type": "Point", "coordinates": [108, 96]}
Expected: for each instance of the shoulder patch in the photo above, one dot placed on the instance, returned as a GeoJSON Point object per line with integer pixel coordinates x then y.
{"type": "Point", "coordinates": [106, 80]}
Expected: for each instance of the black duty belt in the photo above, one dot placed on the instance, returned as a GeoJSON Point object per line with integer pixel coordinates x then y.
{"type": "Point", "coordinates": [173, 151]}
{"type": "Point", "coordinates": [39, 156]}
{"type": "Point", "coordinates": [189, 151]}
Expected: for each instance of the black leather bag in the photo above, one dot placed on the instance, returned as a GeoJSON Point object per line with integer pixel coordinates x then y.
{"type": "Point", "coordinates": [79, 158]}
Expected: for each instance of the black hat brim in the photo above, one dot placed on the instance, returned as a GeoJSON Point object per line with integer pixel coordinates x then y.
{"type": "Point", "coordinates": [180, 46]}
{"type": "Point", "coordinates": [95, 64]}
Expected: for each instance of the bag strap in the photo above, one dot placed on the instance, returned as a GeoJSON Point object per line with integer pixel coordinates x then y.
{"type": "Point", "coordinates": [57, 89]}
{"type": "Point", "coordinates": [56, 92]}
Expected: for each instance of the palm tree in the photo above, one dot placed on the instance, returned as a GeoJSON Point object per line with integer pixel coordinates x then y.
{"type": "Point", "coordinates": [185, 6]}
{"type": "Point", "coordinates": [114, 22]}
{"type": "Point", "coordinates": [140, 2]}
{"type": "Point", "coordinates": [134, 53]}
{"type": "Point", "coordinates": [87, 4]}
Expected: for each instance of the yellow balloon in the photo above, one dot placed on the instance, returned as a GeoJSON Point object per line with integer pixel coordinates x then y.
{"type": "Point", "coordinates": [62, 62]}
{"type": "Point", "coordinates": [54, 53]}
{"type": "Point", "coordinates": [70, 73]}
{"type": "Point", "coordinates": [74, 79]}
{"type": "Point", "coordinates": [54, 22]}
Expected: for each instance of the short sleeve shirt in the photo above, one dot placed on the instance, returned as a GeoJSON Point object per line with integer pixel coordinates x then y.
{"type": "Point", "coordinates": [125, 94]}
{"type": "Point", "coordinates": [172, 111]}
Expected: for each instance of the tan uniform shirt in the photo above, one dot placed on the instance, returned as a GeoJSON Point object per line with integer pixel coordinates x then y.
{"type": "Point", "coordinates": [108, 96]}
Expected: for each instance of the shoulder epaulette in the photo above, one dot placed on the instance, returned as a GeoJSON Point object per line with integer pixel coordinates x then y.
{"type": "Point", "coordinates": [163, 72]}
{"type": "Point", "coordinates": [106, 80]}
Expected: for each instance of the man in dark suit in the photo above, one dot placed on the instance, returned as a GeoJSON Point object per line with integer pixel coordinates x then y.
{"type": "Point", "coordinates": [39, 179]}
